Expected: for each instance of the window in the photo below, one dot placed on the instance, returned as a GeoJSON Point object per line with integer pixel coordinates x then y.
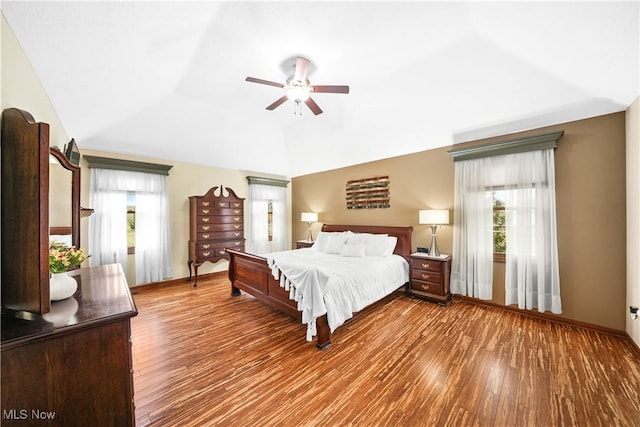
{"type": "Point", "coordinates": [270, 220]}
{"type": "Point", "coordinates": [499, 226]}
{"type": "Point", "coordinates": [519, 220]}
{"type": "Point", "coordinates": [131, 222]}
{"type": "Point", "coordinates": [268, 225]}
{"type": "Point", "coordinates": [112, 193]}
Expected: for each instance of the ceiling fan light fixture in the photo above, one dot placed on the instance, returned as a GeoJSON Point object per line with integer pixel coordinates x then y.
{"type": "Point", "coordinates": [298, 93]}
{"type": "Point", "coordinates": [299, 89]}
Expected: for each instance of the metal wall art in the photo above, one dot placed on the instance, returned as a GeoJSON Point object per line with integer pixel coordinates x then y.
{"type": "Point", "coordinates": [368, 193]}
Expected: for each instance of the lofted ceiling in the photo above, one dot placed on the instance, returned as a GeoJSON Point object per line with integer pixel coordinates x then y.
{"type": "Point", "coordinates": [167, 79]}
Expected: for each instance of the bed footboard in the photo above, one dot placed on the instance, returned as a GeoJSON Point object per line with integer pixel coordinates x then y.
{"type": "Point", "coordinates": [250, 273]}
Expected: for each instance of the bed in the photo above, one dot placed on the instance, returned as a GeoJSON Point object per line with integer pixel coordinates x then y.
{"type": "Point", "coordinates": [267, 277]}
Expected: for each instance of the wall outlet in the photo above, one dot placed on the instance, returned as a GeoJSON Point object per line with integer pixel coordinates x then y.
{"type": "Point", "coordinates": [633, 312]}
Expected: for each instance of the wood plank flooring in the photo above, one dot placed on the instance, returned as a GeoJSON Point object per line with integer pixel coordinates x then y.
{"type": "Point", "coordinates": [202, 357]}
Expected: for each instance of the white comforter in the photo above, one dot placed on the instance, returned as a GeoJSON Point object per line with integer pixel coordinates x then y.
{"type": "Point", "coordinates": [335, 285]}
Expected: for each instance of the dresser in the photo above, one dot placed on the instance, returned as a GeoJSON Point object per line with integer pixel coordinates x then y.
{"type": "Point", "coordinates": [216, 222]}
{"type": "Point", "coordinates": [73, 365]}
{"type": "Point", "coordinates": [429, 277]}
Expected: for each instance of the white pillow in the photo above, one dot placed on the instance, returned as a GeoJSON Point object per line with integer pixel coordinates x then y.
{"type": "Point", "coordinates": [357, 238]}
{"type": "Point", "coordinates": [376, 245]}
{"type": "Point", "coordinates": [391, 245]}
{"type": "Point", "coordinates": [335, 243]}
{"type": "Point", "coordinates": [353, 250]}
{"type": "Point", "coordinates": [322, 239]}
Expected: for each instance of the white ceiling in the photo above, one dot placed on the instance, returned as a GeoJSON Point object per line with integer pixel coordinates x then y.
{"type": "Point", "coordinates": [166, 79]}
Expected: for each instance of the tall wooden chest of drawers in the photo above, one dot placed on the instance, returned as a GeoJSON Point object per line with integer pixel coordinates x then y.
{"type": "Point", "coordinates": [216, 222]}
{"type": "Point", "coordinates": [429, 277]}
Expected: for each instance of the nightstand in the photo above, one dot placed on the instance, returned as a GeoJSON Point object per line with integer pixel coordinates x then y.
{"type": "Point", "coordinates": [429, 277]}
{"type": "Point", "coordinates": [303, 244]}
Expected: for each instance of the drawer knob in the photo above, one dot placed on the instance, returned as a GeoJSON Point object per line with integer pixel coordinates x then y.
{"type": "Point", "coordinates": [205, 203]}
{"type": "Point", "coordinates": [236, 218]}
{"type": "Point", "coordinates": [205, 227]}
{"type": "Point", "coordinates": [425, 265]}
{"type": "Point", "coordinates": [236, 211]}
{"type": "Point", "coordinates": [205, 236]}
{"type": "Point", "coordinates": [206, 253]}
{"type": "Point", "coordinates": [236, 204]}
{"type": "Point", "coordinates": [425, 276]}
{"type": "Point", "coordinates": [205, 219]}
{"type": "Point", "coordinates": [221, 251]}
{"type": "Point", "coordinates": [236, 226]}
{"type": "Point", "coordinates": [205, 246]}
{"type": "Point", "coordinates": [222, 204]}
{"type": "Point", "coordinates": [425, 287]}
{"type": "Point", "coordinates": [236, 234]}
{"type": "Point", "coordinates": [236, 243]}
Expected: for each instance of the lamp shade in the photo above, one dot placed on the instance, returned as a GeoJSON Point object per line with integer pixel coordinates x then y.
{"type": "Point", "coordinates": [434, 216]}
{"type": "Point", "coordinates": [309, 217]}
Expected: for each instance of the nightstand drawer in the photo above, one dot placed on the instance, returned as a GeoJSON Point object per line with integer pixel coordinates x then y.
{"type": "Point", "coordinates": [426, 276]}
{"type": "Point", "coordinates": [432, 288]}
{"type": "Point", "coordinates": [426, 264]}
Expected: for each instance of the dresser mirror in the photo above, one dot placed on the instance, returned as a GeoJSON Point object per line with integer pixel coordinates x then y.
{"type": "Point", "coordinates": [64, 198]}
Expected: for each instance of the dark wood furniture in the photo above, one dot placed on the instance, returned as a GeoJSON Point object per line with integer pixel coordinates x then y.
{"type": "Point", "coordinates": [251, 274]}
{"type": "Point", "coordinates": [216, 222]}
{"type": "Point", "coordinates": [303, 244]}
{"type": "Point", "coordinates": [430, 277]}
{"type": "Point", "coordinates": [74, 362]}
{"type": "Point", "coordinates": [75, 197]}
{"type": "Point", "coordinates": [25, 212]}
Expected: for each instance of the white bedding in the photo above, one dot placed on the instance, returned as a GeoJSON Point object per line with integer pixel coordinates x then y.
{"type": "Point", "coordinates": [335, 285]}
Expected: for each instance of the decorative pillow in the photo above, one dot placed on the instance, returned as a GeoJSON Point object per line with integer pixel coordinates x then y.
{"type": "Point", "coordinates": [335, 243]}
{"type": "Point", "coordinates": [353, 250]}
{"type": "Point", "coordinates": [322, 239]}
{"type": "Point", "coordinates": [376, 245]}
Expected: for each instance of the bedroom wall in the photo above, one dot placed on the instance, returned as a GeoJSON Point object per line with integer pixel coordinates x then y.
{"type": "Point", "coordinates": [633, 216]}
{"type": "Point", "coordinates": [590, 191]}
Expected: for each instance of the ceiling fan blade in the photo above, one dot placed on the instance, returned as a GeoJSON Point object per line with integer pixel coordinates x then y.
{"type": "Point", "coordinates": [277, 103]}
{"type": "Point", "coordinates": [330, 89]}
{"type": "Point", "coordinates": [302, 67]}
{"type": "Point", "coordinates": [313, 106]}
{"type": "Point", "coordinates": [263, 82]}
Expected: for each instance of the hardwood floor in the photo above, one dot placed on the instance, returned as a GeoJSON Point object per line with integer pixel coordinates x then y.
{"type": "Point", "coordinates": [204, 358]}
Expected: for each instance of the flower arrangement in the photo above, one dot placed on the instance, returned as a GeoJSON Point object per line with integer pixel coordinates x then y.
{"type": "Point", "coordinates": [63, 257]}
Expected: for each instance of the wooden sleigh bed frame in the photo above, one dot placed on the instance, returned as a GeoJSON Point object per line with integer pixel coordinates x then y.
{"type": "Point", "coordinates": [251, 274]}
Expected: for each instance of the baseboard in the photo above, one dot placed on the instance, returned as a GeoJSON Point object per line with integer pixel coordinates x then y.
{"type": "Point", "coordinates": [180, 280]}
{"type": "Point", "coordinates": [634, 345]}
{"type": "Point", "coordinates": [546, 316]}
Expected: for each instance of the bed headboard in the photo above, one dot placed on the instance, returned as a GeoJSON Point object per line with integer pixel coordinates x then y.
{"type": "Point", "coordinates": [403, 247]}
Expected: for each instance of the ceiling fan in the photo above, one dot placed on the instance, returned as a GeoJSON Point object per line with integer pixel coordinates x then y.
{"type": "Point", "coordinates": [299, 88]}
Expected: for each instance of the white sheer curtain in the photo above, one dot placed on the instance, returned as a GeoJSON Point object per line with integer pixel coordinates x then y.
{"type": "Point", "coordinates": [258, 236]}
{"type": "Point", "coordinates": [108, 223]}
{"type": "Point", "coordinates": [107, 226]}
{"type": "Point", "coordinates": [153, 251]}
{"type": "Point", "coordinates": [532, 274]}
{"type": "Point", "coordinates": [472, 263]}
